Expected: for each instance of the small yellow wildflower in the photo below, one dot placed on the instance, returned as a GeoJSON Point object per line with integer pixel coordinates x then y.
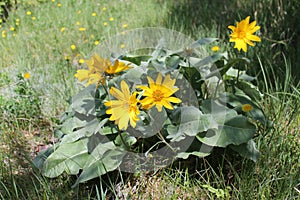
{"type": "Point", "coordinates": [67, 58]}
{"type": "Point", "coordinates": [62, 29]}
{"type": "Point", "coordinates": [122, 46]}
{"type": "Point", "coordinates": [123, 32]}
{"type": "Point", "coordinates": [17, 24]}
{"type": "Point", "coordinates": [159, 93]}
{"type": "Point", "coordinates": [73, 47]}
{"type": "Point", "coordinates": [14, 35]}
{"type": "Point", "coordinates": [3, 33]}
{"type": "Point", "coordinates": [17, 20]}
{"type": "Point", "coordinates": [12, 28]}
{"type": "Point", "coordinates": [94, 14]}
{"type": "Point", "coordinates": [215, 48]}
{"type": "Point", "coordinates": [28, 13]}
{"type": "Point", "coordinates": [247, 107]}
{"type": "Point", "coordinates": [81, 61]}
{"type": "Point", "coordinates": [111, 19]}
{"type": "Point", "coordinates": [104, 8]}
{"type": "Point", "coordinates": [77, 23]}
{"type": "Point", "coordinates": [82, 29]}
{"type": "Point", "coordinates": [53, 0]}
{"type": "Point", "coordinates": [242, 34]}
{"type": "Point", "coordinates": [92, 36]}
{"type": "Point", "coordinates": [105, 23]}
{"type": "Point", "coordinates": [79, 12]}
{"type": "Point", "coordinates": [96, 42]}
{"type": "Point", "coordinates": [124, 110]}
{"type": "Point", "coordinates": [125, 25]}
{"type": "Point", "coordinates": [0, 21]}
{"type": "Point", "coordinates": [59, 5]}
{"type": "Point", "coordinates": [33, 18]}
{"type": "Point", "coordinates": [26, 75]}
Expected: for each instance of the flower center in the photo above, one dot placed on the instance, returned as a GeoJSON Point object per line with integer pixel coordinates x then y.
{"type": "Point", "coordinates": [157, 95]}
{"type": "Point", "coordinates": [241, 34]}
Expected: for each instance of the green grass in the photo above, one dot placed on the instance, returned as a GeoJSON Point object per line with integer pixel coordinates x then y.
{"type": "Point", "coordinates": [40, 47]}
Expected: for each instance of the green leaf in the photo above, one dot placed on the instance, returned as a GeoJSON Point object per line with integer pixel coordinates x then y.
{"type": "Point", "coordinates": [105, 158]}
{"type": "Point", "coordinates": [202, 41]}
{"type": "Point", "coordinates": [185, 155]}
{"type": "Point", "coordinates": [218, 112]}
{"type": "Point", "coordinates": [41, 157]}
{"type": "Point", "coordinates": [235, 131]}
{"type": "Point", "coordinates": [84, 101]}
{"type": "Point", "coordinates": [236, 101]}
{"type": "Point", "coordinates": [192, 121]}
{"type": "Point", "coordinates": [134, 74]}
{"type": "Point", "coordinates": [247, 150]}
{"type": "Point", "coordinates": [68, 157]}
{"type": "Point", "coordinates": [250, 90]}
{"type": "Point", "coordinates": [89, 129]}
{"type": "Point", "coordinates": [209, 59]}
{"type": "Point", "coordinates": [125, 138]}
{"type": "Point", "coordinates": [156, 120]}
{"type": "Point", "coordinates": [136, 59]}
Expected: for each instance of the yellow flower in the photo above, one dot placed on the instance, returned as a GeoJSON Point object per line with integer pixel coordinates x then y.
{"type": "Point", "coordinates": [215, 48]}
{"type": "Point", "coordinates": [67, 58]}
{"type": "Point", "coordinates": [96, 42]}
{"type": "Point", "coordinates": [77, 23]}
{"type": "Point", "coordinates": [94, 14]}
{"type": "Point", "coordinates": [124, 109]}
{"type": "Point", "coordinates": [122, 46]}
{"type": "Point", "coordinates": [117, 67]}
{"type": "Point", "coordinates": [82, 29]}
{"type": "Point", "coordinates": [26, 75]}
{"type": "Point", "coordinates": [79, 12]}
{"type": "Point", "coordinates": [159, 93]}
{"type": "Point", "coordinates": [111, 19]}
{"type": "Point", "coordinates": [242, 34]}
{"type": "Point", "coordinates": [81, 61]}
{"type": "Point", "coordinates": [73, 47]}
{"type": "Point", "coordinates": [246, 107]}
{"type": "Point", "coordinates": [97, 68]}
{"type": "Point", "coordinates": [59, 5]}
{"type": "Point", "coordinates": [104, 8]}
{"type": "Point", "coordinates": [62, 29]}
{"type": "Point", "coordinates": [3, 33]}
{"type": "Point", "coordinates": [28, 13]}
{"type": "Point", "coordinates": [12, 28]}
{"type": "Point", "coordinates": [125, 25]}
{"type": "Point", "coordinates": [105, 23]}
{"type": "Point", "coordinates": [33, 18]}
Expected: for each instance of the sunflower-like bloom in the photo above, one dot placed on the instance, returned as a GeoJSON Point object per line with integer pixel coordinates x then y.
{"type": "Point", "coordinates": [97, 67]}
{"type": "Point", "coordinates": [124, 109]}
{"type": "Point", "coordinates": [95, 72]}
{"type": "Point", "coordinates": [159, 93]}
{"type": "Point", "coordinates": [242, 34]}
{"type": "Point", "coordinates": [117, 67]}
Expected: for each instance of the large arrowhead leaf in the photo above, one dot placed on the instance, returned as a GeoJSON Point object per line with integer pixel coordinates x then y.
{"type": "Point", "coordinates": [105, 158]}
{"type": "Point", "coordinates": [156, 119]}
{"type": "Point", "coordinates": [69, 157]}
{"type": "Point", "coordinates": [86, 131]}
{"type": "Point", "coordinates": [192, 121]}
{"type": "Point", "coordinates": [247, 150]}
{"type": "Point", "coordinates": [84, 101]}
{"type": "Point", "coordinates": [235, 131]}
